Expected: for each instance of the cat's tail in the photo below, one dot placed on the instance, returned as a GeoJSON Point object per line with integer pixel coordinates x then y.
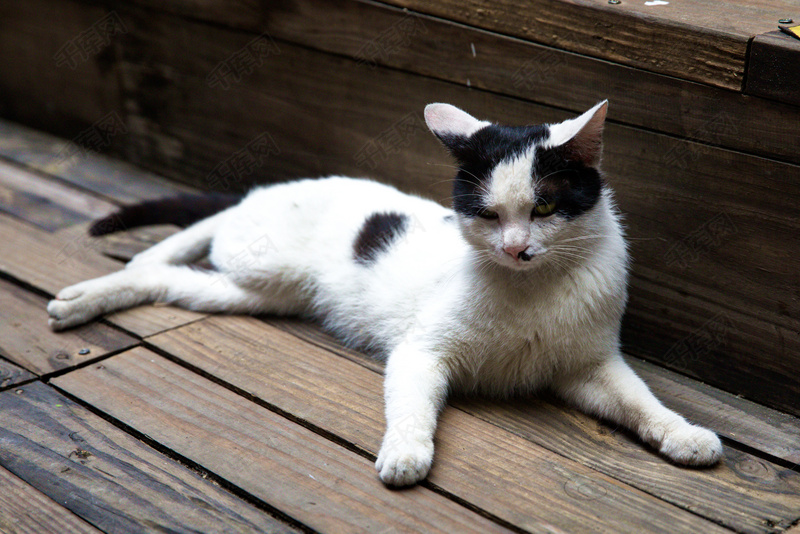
{"type": "Point", "coordinates": [181, 210]}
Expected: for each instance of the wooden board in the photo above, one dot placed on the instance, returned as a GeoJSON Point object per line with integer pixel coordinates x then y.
{"type": "Point", "coordinates": [772, 71]}
{"type": "Point", "coordinates": [753, 425]}
{"type": "Point", "coordinates": [109, 478]}
{"type": "Point", "coordinates": [25, 510]}
{"type": "Point", "coordinates": [342, 397]}
{"type": "Point", "coordinates": [703, 41]}
{"type": "Point", "coordinates": [740, 420]}
{"type": "Point", "coordinates": [562, 430]}
{"type": "Point", "coordinates": [45, 202]}
{"type": "Point", "coordinates": [11, 375]}
{"type": "Point", "coordinates": [59, 74]}
{"type": "Point", "coordinates": [48, 263]}
{"type": "Point", "coordinates": [26, 339]}
{"type": "Point", "coordinates": [304, 475]}
{"type": "Point", "coordinates": [115, 180]}
{"type": "Point", "coordinates": [377, 34]}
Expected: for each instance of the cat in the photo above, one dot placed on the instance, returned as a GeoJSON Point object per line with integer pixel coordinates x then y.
{"type": "Point", "coordinates": [520, 286]}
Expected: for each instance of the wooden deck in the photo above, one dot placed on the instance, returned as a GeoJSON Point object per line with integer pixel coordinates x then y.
{"type": "Point", "coordinates": [159, 419]}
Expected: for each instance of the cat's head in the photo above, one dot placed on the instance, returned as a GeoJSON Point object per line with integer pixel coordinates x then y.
{"type": "Point", "coordinates": [522, 192]}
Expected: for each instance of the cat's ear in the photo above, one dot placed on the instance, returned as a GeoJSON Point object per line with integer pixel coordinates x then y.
{"type": "Point", "coordinates": [451, 125]}
{"type": "Point", "coordinates": [582, 137]}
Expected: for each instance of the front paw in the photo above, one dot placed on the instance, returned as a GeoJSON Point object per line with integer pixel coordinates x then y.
{"type": "Point", "coordinates": [691, 445]}
{"type": "Point", "coordinates": [404, 464]}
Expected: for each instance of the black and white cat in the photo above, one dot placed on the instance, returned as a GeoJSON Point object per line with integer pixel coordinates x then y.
{"type": "Point", "coordinates": [522, 285]}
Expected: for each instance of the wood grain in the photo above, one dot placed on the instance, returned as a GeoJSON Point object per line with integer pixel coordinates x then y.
{"type": "Point", "coordinates": [738, 419]}
{"type": "Point", "coordinates": [343, 397]}
{"type": "Point", "coordinates": [45, 202]}
{"type": "Point", "coordinates": [24, 510]}
{"type": "Point", "coordinates": [574, 435]}
{"type": "Point", "coordinates": [109, 478]}
{"type": "Point", "coordinates": [772, 70]}
{"type": "Point", "coordinates": [304, 475]}
{"type": "Point", "coordinates": [11, 375]}
{"type": "Point", "coordinates": [37, 88]}
{"type": "Point", "coordinates": [769, 431]}
{"type": "Point", "coordinates": [377, 34]}
{"type": "Point", "coordinates": [703, 41]}
{"type": "Point", "coordinates": [26, 339]}
{"type": "Point", "coordinates": [113, 179]}
{"type": "Point", "coordinates": [48, 263]}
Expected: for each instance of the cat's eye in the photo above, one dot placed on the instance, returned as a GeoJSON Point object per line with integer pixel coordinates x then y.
{"type": "Point", "coordinates": [488, 214]}
{"type": "Point", "coordinates": [544, 209]}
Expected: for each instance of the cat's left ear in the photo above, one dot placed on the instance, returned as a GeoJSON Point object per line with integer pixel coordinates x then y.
{"type": "Point", "coordinates": [451, 125]}
{"type": "Point", "coordinates": [582, 137]}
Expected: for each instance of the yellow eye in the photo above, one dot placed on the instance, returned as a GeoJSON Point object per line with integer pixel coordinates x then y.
{"type": "Point", "coordinates": [544, 209]}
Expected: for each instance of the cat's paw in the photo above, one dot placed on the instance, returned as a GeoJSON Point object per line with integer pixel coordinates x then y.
{"type": "Point", "coordinates": [691, 445]}
{"type": "Point", "coordinates": [404, 465]}
{"type": "Point", "coordinates": [76, 305]}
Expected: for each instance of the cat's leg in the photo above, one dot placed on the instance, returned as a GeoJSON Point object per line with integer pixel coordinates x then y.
{"type": "Point", "coordinates": [183, 247]}
{"type": "Point", "coordinates": [415, 392]}
{"type": "Point", "coordinates": [205, 291]}
{"type": "Point", "coordinates": [614, 392]}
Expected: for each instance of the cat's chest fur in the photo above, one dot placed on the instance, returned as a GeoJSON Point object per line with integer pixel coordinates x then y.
{"type": "Point", "coordinates": [516, 337]}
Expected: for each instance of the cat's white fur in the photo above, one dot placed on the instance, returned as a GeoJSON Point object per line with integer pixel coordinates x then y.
{"type": "Point", "coordinates": [448, 304]}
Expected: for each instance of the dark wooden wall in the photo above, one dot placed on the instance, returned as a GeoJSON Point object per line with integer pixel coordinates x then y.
{"type": "Point", "coordinates": [226, 94]}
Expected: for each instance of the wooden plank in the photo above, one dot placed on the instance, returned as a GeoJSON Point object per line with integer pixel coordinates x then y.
{"type": "Point", "coordinates": [109, 478]}
{"type": "Point", "coordinates": [560, 429]}
{"type": "Point", "coordinates": [343, 397]}
{"type": "Point", "coordinates": [45, 202]}
{"type": "Point", "coordinates": [756, 426]}
{"type": "Point", "coordinates": [702, 41]}
{"type": "Point", "coordinates": [306, 476]}
{"type": "Point", "coordinates": [12, 375]}
{"type": "Point", "coordinates": [113, 179]}
{"type": "Point", "coordinates": [25, 510]}
{"type": "Point", "coordinates": [26, 340]}
{"type": "Point", "coordinates": [664, 40]}
{"type": "Point", "coordinates": [738, 419]}
{"type": "Point", "coordinates": [124, 245]}
{"type": "Point", "coordinates": [57, 75]}
{"type": "Point", "coordinates": [772, 69]}
{"type": "Point", "coordinates": [49, 263]}
{"type": "Point", "coordinates": [442, 49]}
{"type": "Point", "coordinates": [671, 322]}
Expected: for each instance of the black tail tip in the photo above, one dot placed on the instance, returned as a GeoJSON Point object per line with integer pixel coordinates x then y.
{"type": "Point", "coordinates": [107, 225]}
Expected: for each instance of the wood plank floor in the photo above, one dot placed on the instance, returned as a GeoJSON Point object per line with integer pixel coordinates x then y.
{"type": "Point", "coordinates": [157, 419]}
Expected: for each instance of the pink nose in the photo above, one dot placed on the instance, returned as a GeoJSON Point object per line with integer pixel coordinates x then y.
{"type": "Point", "coordinates": [515, 250]}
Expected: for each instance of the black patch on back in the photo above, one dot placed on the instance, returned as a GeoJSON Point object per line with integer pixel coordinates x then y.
{"type": "Point", "coordinates": [571, 184]}
{"type": "Point", "coordinates": [377, 234]}
{"type": "Point", "coordinates": [480, 153]}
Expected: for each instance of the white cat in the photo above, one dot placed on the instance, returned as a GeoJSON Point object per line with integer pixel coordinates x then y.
{"type": "Point", "coordinates": [521, 286]}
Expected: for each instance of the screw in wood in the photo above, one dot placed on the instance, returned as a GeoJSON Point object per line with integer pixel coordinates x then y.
{"type": "Point", "coordinates": [785, 21]}
{"type": "Point", "coordinates": [83, 352]}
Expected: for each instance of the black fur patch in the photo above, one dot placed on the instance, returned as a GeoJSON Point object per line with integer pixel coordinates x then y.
{"type": "Point", "coordinates": [377, 234]}
{"type": "Point", "coordinates": [573, 186]}
{"type": "Point", "coordinates": [479, 154]}
{"type": "Point", "coordinates": [182, 210]}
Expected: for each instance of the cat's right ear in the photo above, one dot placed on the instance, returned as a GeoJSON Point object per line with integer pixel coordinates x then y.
{"type": "Point", "coordinates": [451, 125]}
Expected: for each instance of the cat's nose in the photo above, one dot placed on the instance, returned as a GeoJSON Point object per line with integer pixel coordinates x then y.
{"type": "Point", "coordinates": [517, 252]}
